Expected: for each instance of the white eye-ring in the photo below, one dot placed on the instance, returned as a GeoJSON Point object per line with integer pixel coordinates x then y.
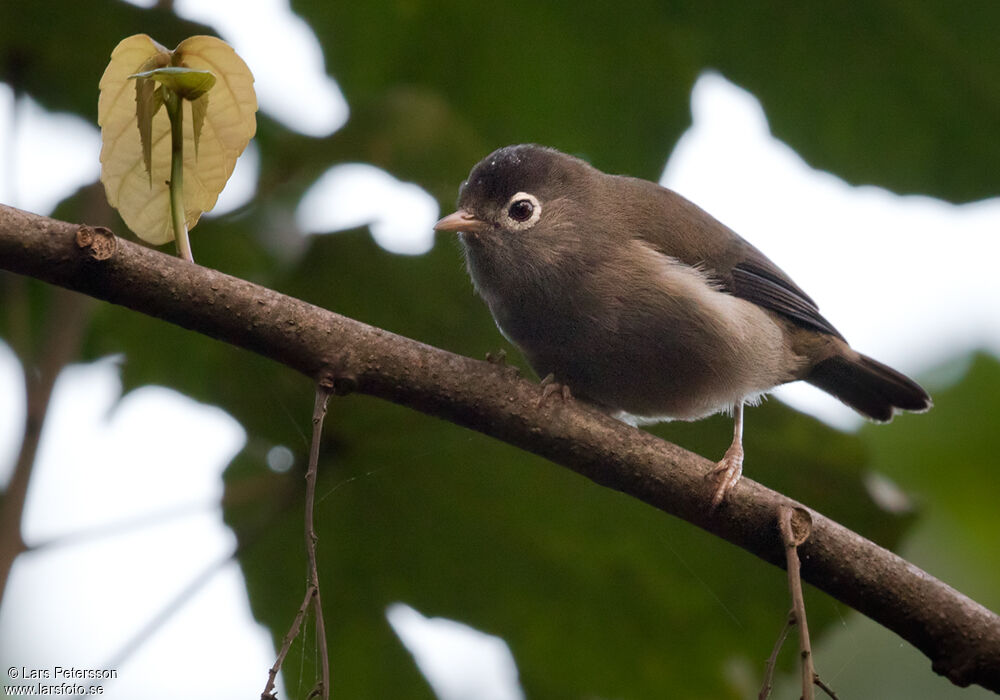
{"type": "Point", "coordinates": [523, 211]}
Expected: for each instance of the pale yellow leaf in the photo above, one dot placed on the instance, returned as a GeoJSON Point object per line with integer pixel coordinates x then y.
{"type": "Point", "coordinates": [229, 124]}
{"type": "Point", "coordinates": [148, 100]}
{"type": "Point", "coordinates": [199, 108]}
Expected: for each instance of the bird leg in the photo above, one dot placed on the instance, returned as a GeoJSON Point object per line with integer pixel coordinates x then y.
{"type": "Point", "coordinates": [550, 386]}
{"type": "Point", "coordinates": [730, 468]}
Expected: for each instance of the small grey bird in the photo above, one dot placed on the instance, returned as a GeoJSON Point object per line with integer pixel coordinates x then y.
{"type": "Point", "coordinates": [643, 304]}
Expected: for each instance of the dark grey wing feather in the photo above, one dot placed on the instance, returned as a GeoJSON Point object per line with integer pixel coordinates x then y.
{"type": "Point", "coordinates": [763, 287]}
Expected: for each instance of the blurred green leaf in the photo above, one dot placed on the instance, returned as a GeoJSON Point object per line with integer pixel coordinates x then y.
{"type": "Point", "coordinates": [947, 462]}
{"type": "Point", "coordinates": [56, 51]}
{"type": "Point", "coordinates": [896, 94]}
{"type": "Point", "coordinates": [591, 589]}
{"type": "Point", "coordinates": [596, 593]}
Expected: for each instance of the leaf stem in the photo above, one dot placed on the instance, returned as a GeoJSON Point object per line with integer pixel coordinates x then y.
{"type": "Point", "coordinates": [176, 113]}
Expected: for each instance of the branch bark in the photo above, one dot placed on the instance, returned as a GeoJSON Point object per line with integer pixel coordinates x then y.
{"type": "Point", "coordinates": [961, 637]}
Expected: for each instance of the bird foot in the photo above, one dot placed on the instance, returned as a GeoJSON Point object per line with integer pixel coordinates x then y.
{"type": "Point", "coordinates": [550, 386]}
{"type": "Point", "coordinates": [727, 472]}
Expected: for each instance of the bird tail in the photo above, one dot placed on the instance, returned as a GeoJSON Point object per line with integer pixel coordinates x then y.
{"type": "Point", "coordinates": [874, 390]}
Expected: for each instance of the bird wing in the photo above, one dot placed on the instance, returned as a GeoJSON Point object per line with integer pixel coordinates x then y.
{"type": "Point", "coordinates": [694, 237]}
{"type": "Point", "coordinates": [763, 283]}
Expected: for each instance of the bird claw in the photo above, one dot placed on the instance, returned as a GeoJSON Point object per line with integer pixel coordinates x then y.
{"type": "Point", "coordinates": [728, 472]}
{"type": "Point", "coordinates": [549, 387]}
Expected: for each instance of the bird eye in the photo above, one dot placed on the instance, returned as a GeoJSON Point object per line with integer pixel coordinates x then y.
{"type": "Point", "coordinates": [521, 210]}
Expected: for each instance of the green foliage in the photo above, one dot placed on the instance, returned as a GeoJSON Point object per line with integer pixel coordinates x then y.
{"type": "Point", "coordinates": [599, 596]}
{"type": "Point", "coordinates": [951, 464]}
{"type": "Point", "coordinates": [870, 91]}
{"type": "Point", "coordinates": [43, 55]}
{"type": "Point", "coordinates": [947, 463]}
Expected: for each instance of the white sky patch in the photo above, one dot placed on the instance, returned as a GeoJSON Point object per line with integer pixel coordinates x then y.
{"type": "Point", "coordinates": [12, 408]}
{"type": "Point", "coordinates": [284, 56]}
{"type": "Point", "coordinates": [44, 156]}
{"type": "Point", "coordinates": [459, 661]}
{"type": "Point", "coordinates": [907, 279]}
{"type": "Point", "coordinates": [138, 482]}
{"type": "Point", "coordinates": [401, 215]}
{"type": "Point", "coordinates": [174, 449]}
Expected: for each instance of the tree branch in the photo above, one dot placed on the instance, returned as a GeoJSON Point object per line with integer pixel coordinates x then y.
{"type": "Point", "coordinates": [961, 637]}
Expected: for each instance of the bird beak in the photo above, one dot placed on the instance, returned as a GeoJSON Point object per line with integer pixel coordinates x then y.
{"type": "Point", "coordinates": [462, 221]}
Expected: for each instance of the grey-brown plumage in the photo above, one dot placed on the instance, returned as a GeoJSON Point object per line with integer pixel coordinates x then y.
{"type": "Point", "coordinates": [645, 305]}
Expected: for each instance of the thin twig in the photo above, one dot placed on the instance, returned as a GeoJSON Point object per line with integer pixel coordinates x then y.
{"type": "Point", "coordinates": [768, 684]}
{"type": "Point", "coordinates": [824, 687]}
{"type": "Point", "coordinates": [795, 525]}
{"type": "Point", "coordinates": [286, 644]}
{"type": "Point", "coordinates": [322, 689]}
{"type": "Point", "coordinates": [323, 389]}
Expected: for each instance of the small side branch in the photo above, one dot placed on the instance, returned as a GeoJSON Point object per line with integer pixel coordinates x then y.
{"type": "Point", "coordinates": [286, 644]}
{"type": "Point", "coordinates": [323, 389]}
{"type": "Point", "coordinates": [772, 660]}
{"type": "Point", "coordinates": [796, 526]}
{"type": "Point", "coordinates": [312, 597]}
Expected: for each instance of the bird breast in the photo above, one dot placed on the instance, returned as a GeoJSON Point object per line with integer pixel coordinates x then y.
{"type": "Point", "coordinates": [635, 331]}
